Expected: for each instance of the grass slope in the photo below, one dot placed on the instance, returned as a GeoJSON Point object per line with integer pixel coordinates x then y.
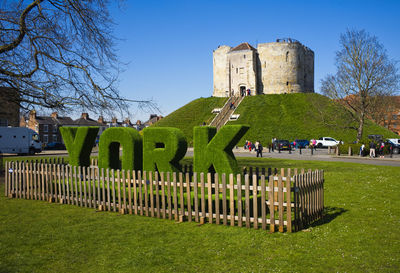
{"type": "Point", "coordinates": [359, 233]}
{"type": "Point", "coordinates": [192, 114]}
{"type": "Point", "coordinates": [286, 116]}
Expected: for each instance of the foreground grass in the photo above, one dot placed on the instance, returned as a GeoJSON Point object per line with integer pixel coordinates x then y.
{"type": "Point", "coordinates": [359, 233]}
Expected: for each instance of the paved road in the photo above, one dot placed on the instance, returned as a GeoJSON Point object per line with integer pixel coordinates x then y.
{"type": "Point", "coordinates": [319, 155]}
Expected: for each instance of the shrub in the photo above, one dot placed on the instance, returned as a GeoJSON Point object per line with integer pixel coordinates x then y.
{"type": "Point", "coordinates": [131, 143]}
{"type": "Point", "coordinates": [344, 148]}
{"type": "Point", "coordinates": [164, 147]}
{"type": "Point", "coordinates": [79, 142]}
{"type": "Point", "coordinates": [212, 149]}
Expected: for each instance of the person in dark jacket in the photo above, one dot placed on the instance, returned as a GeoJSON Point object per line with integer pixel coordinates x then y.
{"type": "Point", "coordinates": [372, 147]}
{"type": "Point", "coordinates": [259, 149]}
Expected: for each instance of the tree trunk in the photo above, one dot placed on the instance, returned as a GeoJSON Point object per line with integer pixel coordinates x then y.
{"type": "Point", "coordinates": [360, 128]}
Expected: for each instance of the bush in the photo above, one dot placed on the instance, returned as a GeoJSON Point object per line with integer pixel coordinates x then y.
{"type": "Point", "coordinates": [79, 142]}
{"type": "Point", "coordinates": [131, 143]}
{"type": "Point", "coordinates": [344, 148]}
{"type": "Point", "coordinates": [163, 148]}
{"type": "Point", "coordinates": [212, 149]}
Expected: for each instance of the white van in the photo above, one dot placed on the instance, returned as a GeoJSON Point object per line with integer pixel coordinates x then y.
{"type": "Point", "coordinates": [19, 140]}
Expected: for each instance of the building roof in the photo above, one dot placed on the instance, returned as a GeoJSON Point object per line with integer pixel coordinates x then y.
{"type": "Point", "coordinates": [87, 122]}
{"type": "Point", "coordinates": [58, 120]}
{"type": "Point", "coordinates": [243, 46]}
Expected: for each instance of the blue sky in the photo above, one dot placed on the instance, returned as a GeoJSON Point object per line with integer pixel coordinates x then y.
{"type": "Point", "coordinates": [168, 45]}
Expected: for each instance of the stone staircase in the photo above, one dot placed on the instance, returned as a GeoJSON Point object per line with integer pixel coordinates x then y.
{"type": "Point", "coordinates": [223, 116]}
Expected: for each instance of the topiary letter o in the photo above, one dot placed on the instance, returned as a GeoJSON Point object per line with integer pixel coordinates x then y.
{"type": "Point", "coordinates": [79, 142]}
{"type": "Point", "coordinates": [163, 148]}
{"type": "Point", "coordinates": [131, 142]}
{"type": "Point", "coordinates": [215, 149]}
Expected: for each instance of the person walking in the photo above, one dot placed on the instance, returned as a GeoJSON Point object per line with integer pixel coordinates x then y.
{"type": "Point", "coordinates": [362, 149]}
{"type": "Point", "coordinates": [372, 147]}
{"type": "Point", "coordinates": [259, 149]}
{"type": "Point", "coordinates": [272, 144]}
{"type": "Point", "coordinates": [382, 150]}
{"type": "Point", "coordinates": [314, 144]}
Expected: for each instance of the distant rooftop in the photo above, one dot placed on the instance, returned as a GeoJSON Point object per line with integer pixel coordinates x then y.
{"type": "Point", "coordinates": [243, 46]}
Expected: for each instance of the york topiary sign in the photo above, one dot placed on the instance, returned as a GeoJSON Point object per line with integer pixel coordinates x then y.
{"type": "Point", "coordinates": [160, 149]}
{"type": "Point", "coordinates": [79, 142]}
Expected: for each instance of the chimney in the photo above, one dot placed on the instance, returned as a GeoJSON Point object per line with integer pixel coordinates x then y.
{"type": "Point", "coordinates": [114, 120]}
{"type": "Point", "coordinates": [54, 115]}
{"type": "Point", "coordinates": [127, 121]}
{"type": "Point", "coordinates": [32, 115]}
{"type": "Point", "coordinates": [101, 120]}
{"type": "Point", "coordinates": [85, 116]}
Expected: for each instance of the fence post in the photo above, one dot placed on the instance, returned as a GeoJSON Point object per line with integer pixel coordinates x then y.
{"type": "Point", "coordinates": [255, 211]}
{"type": "Point", "coordinates": [289, 201]}
{"type": "Point", "coordinates": [209, 197]}
{"type": "Point", "coordinates": [189, 198]}
{"type": "Point", "coordinates": [5, 174]}
{"type": "Point", "coordinates": [247, 200]}
{"type": "Point", "coordinates": [239, 199]}
{"type": "Point", "coordinates": [231, 200]}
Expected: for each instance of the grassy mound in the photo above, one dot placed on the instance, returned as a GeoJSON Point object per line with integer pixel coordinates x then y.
{"type": "Point", "coordinates": [285, 116]}
{"type": "Point", "coordinates": [192, 114]}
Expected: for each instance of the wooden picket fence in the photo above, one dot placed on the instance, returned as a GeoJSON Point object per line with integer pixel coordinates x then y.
{"type": "Point", "coordinates": [288, 201]}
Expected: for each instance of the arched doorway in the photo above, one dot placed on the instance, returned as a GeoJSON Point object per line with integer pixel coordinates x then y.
{"type": "Point", "coordinates": [242, 91]}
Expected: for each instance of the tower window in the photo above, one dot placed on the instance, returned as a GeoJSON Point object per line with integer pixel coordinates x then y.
{"type": "Point", "coordinates": [244, 56]}
{"type": "Point", "coordinates": [287, 56]}
{"type": "Point", "coordinates": [237, 70]}
{"type": "Point", "coordinates": [287, 83]}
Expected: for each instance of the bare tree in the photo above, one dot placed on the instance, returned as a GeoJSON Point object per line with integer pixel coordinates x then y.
{"type": "Point", "coordinates": [60, 54]}
{"type": "Point", "coordinates": [364, 76]}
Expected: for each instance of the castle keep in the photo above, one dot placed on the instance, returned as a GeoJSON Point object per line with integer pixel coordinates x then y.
{"type": "Point", "coordinates": [284, 66]}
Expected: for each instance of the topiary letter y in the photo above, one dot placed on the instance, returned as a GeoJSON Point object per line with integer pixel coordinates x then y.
{"type": "Point", "coordinates": [79, 142]}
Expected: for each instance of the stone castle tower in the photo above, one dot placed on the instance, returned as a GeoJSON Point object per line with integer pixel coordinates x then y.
{"type": "Point", "coordinates": [285, 66]}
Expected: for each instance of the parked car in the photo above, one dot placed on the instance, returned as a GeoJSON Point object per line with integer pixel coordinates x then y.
{"type": "Point", "coordinates": [395, 143]}
{"type": "Point", "coordinates": [282, 144]}
{"type": "Point", "coordinates": [376, 138]}
{"type": "Point", "coordinates": [326, 142]}
{"type": "Point", "coordinates": [300, 143]}
{"type": "Point", "coordinates": [54, 146]}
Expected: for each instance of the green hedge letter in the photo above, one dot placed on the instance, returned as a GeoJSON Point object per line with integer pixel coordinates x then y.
{"type": "Point", "coordinates": [163, 149]}
{"type": "Point", "coordinates": [215, 149]}
{"type": "Point", "coordinates": [79, 142]}
{"type": "Point", "coordinates": [131, 143]}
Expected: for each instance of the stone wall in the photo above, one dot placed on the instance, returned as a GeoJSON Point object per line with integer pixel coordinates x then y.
{"type": "Point", "coordinates": [274, 68]}
{"type": "Point", "coordinates": [243, 70]}
{"type": "Point", "coordinates": [221, 72]}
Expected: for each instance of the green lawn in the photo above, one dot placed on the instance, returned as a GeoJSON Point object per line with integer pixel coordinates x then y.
{"type": "Point", "coordinates": [360, 232]}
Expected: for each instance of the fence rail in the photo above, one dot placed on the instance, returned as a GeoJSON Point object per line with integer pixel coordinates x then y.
{"type": "Point", "coordinates": [288, 201]}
